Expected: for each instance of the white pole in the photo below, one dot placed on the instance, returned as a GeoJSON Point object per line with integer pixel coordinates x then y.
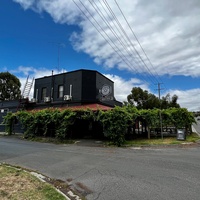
{"type": "Point", "coordinates": [70, 91]}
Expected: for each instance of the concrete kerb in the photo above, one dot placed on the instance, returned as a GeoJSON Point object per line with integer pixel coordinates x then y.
{"type": "Point", "coordinates": [70, 193]}
{"type": "Point", "coordinates": [43, 178]}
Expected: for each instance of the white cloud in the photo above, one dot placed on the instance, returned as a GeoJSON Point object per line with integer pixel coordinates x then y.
{"type": "Point", "coordinates": [188, 99]}
{"type": "Point", "coordinates": [169, 31]}
{"type": "Point", "coordinates": [22, 72]}
{"type": "Point", "coordinates": [26, 4]}
{"type": "Point", "coordinates": [122, 87]}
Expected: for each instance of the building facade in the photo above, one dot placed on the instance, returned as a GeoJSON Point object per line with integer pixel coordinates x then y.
{"type": "Point", "coordinates": [79, 89]}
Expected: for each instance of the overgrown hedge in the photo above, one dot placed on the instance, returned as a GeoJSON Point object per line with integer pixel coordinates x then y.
{"type": "Point", "coordinates": [58, 123]}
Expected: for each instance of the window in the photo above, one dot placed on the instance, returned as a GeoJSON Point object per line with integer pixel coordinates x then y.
{"type": "Point", "coordinates": [60, 91]}
{"type": "Point", "coordinates": [44, 93]}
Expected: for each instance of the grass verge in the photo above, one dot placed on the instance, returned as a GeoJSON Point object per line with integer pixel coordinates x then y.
{"type": "Point", "coordinates": [165, 141]}
{"type": "Point", "coordinates": [18, 184]}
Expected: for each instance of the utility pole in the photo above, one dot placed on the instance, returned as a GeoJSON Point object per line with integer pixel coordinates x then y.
{"type": "Point", "coordinates": [161, 128]}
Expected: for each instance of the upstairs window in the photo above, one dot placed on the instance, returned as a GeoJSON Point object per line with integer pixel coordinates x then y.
{"type": "Point", "coordinates": [60, 91]}
{"type": "Point", "coordinates": [44, 93]}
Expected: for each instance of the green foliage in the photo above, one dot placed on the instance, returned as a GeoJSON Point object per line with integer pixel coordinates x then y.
{"type": "Point", "coordinates": [151, 117]}
{"type": "Point", "coordinates": [9, 86]}
{"type": "Point", "coordinates": [181, 118]}
{"type": "Point", "coordinates": [59, 123]}
{"type": "Point", "coordinates": [115, 123]}
{"type": "Point", "coordinates": [9, 121]}
{"type": "Point", "coordinates": [88, 115]}
{"type": "Point", "coordinates": [47, 122]}
{"type": "Point", "coordinates": [169, 102]}
{"type": "Point", "coordinates": [28, 122]}
{"type": "Point", "coordinates": [63, 122]}
{"type": "Point", "coordinates": [167, 117]}
{"type": "Point", "coordinates": [142, 99]}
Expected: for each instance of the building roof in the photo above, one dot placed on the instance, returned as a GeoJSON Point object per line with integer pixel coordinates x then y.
{"type": "Point", "coordinates": [93, 106]}
{"type": "Point", "coordinates": [74, 72]}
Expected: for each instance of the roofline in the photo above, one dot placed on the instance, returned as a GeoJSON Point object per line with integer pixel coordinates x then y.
{"type": "Point", "coordinates": [75, 71]}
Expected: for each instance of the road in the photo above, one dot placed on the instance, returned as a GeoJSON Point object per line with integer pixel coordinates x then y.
{"type": "Point", "coordinates": [112, 173]}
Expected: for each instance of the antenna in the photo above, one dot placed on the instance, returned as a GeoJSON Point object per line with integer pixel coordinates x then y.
{"type": "Point", "coordinates": [59, 44]}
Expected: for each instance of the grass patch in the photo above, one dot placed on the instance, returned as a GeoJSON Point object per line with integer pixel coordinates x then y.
{"type": "Point", "coordinates": [192, 138]}
{"type": "Point", "coordinates": [18, 184]}
{"type": "Point", "coordinates": [165, 141]}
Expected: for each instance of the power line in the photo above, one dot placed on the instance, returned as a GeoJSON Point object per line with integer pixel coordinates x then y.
{"type": "Point", "coordinates": [110, 41]}
{"type": "Point", "coordinates": [136, 38]}
{"type": "Point", "coordinates": [123, 57]}
{"type": "Point", "coordinates": [110, 27]}
{"type": "Point", "coordinates": [121, 36]}
{"type": "Point", "coordinates": [120, 29]}
{"type": "Point", "coordinates": [138, 42]}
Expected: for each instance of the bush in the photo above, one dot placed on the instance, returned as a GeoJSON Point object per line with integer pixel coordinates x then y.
{"type": "Point", "coordinates": [115, 123]}
{"type": "Point", "coordinates": [9, 121]}
{"type": "Point", "coordinates": [56, 123]}
{"type": "Point", "coordinates": [63, 123]}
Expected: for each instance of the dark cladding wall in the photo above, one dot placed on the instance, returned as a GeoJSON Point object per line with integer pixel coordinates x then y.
{"type": "Point", "coordinates": [40, 83]}
{"type": "Point", "coordinates": [5, 107]}
{"type": "Point", "coordinates": [52, 84]}
{"type": "Point", "coordinates": [9, 105]}
{"type": "Point", "coordinates": [88, 86]}
{"type": "Point", "coordinates": [66, 79]}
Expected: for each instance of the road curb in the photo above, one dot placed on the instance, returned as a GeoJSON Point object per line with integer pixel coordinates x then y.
{"type": "Point", "coordinates": [70, 194]}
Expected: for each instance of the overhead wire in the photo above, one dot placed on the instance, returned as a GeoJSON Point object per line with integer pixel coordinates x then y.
{"type": "Point", "coordinates": [111, 42]}
{"type": "Point", "coordinates": [109, 26]}
{"type": "Point", "coordinates": [121, 36]}
{"type": "Point", "coordinates": [118, 36]}
{"type": "Point", "coordinates": [136, 38]}
{"type": "Point", "coordinates": [131, 43]}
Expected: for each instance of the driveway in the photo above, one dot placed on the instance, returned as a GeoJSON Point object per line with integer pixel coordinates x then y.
{"type": "Point", "coordinates": [112, 173]}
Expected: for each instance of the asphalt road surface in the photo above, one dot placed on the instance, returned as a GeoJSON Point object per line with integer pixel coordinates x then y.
{"type": "Point", "coordinates": [112, 173]}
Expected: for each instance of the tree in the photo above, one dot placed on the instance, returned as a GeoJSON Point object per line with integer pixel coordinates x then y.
{"type": "Point", "coordinates": [169, 102]}
{"type": "Point", "coordinates": [142, 99]}
{"type": "Point", "coordinates": [173, 102]}
{"type": "Point", "coordinates": [9, 87]}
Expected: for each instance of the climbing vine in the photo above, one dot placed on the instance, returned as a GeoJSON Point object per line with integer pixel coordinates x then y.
{"type": "Point", "coordinates": [115, 122]}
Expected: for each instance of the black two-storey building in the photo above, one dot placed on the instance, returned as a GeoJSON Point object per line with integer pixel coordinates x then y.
{"type": "Point", "coordinates": [80, 89]}
{"type": "Point", "coordinates": [76, 88]}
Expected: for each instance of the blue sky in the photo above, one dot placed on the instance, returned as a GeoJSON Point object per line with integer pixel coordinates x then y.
{"type": "Point", "coordinates": [32, 32]}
